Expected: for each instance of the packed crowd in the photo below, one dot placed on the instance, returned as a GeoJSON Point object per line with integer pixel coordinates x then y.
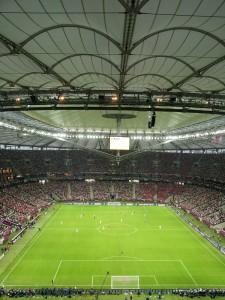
{"type": "Point", "coordinates": [79, 191]}
{"type": "Point", "coordinates": [205, 204]}
{"type": "Point", "coordinates": [21, 202]}
{"type": "Point", "coordinates": [56, 188]}
{"type": "Point", "coordinates": [18, 204]}
{"type": "Point", "coordinates": [112, 190]}
{"type": "Point", "coordinates": [28, 162]}
{"type": "Point", "coordinates": [83, 162]}
{"type": "Point", "coordinates": [176, 166]}
{"type": "Point", "coordinates": [102, 190]}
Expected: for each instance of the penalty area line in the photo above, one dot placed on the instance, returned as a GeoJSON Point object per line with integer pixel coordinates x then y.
{"type": "Point", "coordinates": [57, 270]}
{"type": "Point", "coordinates": [188, 272]}
{"type": "Point", "coordinates": [155, 280]}
{"type": "Point", "coordinates": [111, 260]}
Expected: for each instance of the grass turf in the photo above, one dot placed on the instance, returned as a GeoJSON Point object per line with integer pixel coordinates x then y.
{"type": "Point", "coordinates": [78, 245]}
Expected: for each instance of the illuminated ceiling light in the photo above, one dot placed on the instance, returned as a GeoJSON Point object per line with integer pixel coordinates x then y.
{"type": "Point", "coordinates": [114, 98]}
{"type": "Point", "coordinates": [61, 98]}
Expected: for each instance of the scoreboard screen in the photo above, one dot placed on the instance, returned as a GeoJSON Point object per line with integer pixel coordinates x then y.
{"type": "Point", "coordinates": [119, 143]}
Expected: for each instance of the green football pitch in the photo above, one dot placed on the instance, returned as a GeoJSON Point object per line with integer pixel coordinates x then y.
{"type": "Point", "coordinates": [118, 246]}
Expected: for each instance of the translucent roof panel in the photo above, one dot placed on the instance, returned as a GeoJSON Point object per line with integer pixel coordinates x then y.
{"type": "Point", "coordinates": [111, 45]}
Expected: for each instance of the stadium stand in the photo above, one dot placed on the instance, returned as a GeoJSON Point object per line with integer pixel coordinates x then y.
{"type": "Point", "coordinates": [83, 162]}
{"type": "Point", "coordinates": [19, 201]}
{"type": "Point", "coordinates": [203, 203]}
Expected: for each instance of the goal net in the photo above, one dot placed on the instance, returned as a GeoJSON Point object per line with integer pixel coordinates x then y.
{"type": "Point", "coordinates": [125, 282]}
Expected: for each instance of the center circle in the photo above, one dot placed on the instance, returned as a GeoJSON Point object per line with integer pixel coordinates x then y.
{"type": "Point", "coordinates": [117, 229]}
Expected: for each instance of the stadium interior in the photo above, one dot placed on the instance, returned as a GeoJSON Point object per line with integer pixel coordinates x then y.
{"type": "Point", "coordinates": [112, 100]}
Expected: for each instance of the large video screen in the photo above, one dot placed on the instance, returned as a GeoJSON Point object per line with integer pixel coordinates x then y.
{"type": "Point", "coordinates": [119, 143]}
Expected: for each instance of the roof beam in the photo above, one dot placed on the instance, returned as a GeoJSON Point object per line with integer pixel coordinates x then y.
{"type": "Point", "coordinates": [17, 49]}
{"type": "Point", "coordinates": [84, 54]}
{"type": "Point", "coordinates": [129, 25]}
{"type": "Point", "coordinates": [216, 38]}
{"type": "Point", "coordinates": [199, 72]}
{"type": "Point", "coordinates": [163, 56]}
{"type": "Point", "coordinates": [93, 73]}
{"type": "Point", "coordinates": [31, 37]}
{"type": "Point", "coordinates": [149, 74]}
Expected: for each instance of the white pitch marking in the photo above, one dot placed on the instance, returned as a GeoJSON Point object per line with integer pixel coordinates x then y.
{"type": "Point", "coordinates": [188, 272]}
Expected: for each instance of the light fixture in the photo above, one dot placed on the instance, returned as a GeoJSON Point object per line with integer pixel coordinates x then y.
{"type": "Point", "coordinates": [61, 98]}
{"type": "Point", "coordinates": [114, 98]}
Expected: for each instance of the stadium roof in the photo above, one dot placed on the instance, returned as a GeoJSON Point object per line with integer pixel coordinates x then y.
{"type": "Point", "coordinates": [73, 73]}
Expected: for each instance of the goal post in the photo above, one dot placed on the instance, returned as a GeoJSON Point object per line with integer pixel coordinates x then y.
{"type": "Point", "coordinates": [125, 282]}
